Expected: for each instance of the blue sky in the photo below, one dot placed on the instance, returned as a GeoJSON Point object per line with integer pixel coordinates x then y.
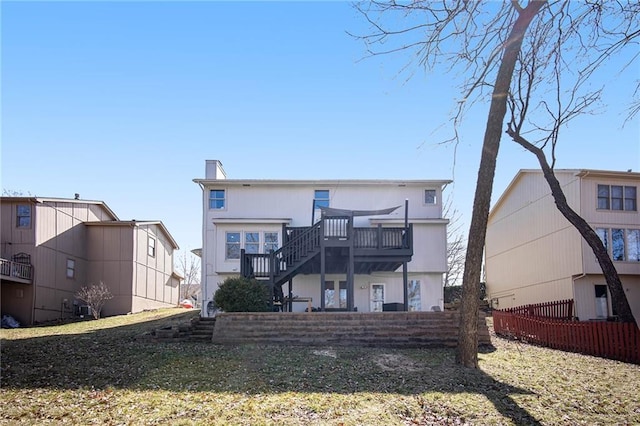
{"type": "Point", "coordinates": [124, 101]}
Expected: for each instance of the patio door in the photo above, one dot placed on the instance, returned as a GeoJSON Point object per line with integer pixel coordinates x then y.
{"type": "Point", "coordinates": [377, 297]}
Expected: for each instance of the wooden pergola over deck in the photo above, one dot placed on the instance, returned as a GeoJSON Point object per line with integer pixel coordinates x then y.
{"type": "Point", "coordinates": [333, 245]}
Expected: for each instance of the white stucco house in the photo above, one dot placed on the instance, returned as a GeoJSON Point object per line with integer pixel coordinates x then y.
{"type": "Point", "coordinates": [352, 245]}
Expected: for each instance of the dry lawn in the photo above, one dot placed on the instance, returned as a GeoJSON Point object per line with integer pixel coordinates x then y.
{"type": "Point", "coordinates": [112, 372]}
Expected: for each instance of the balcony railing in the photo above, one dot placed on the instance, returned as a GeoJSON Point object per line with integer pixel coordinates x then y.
{"type": "Point", "coordinates": [20, 271]}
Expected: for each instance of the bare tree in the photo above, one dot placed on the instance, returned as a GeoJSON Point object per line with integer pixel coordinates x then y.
{"type": "Point", "coordinates": [568, 96]}
{"type": "Point", "coordinates": [487, 47]}
{"type": "Point", "coordinates": [483, 41]}
{"type": "Point", "coordinates": [95, 296]}
{"type": "Point", "coordinates": [189, 268]}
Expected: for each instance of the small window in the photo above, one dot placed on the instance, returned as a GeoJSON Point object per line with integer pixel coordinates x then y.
{"type": "Point", "coordinates": [430, 196]}
{"type": "Point", "coordinates": [321, 198]}
{"type": "Point", "coordinates": [270, 241]}
{"type": "Point", "coordinates": [232, 249]}
{"type": "Point", "coordinates": [23, 219]}
{"type": "Point", "coordinates": [151, 247]}
{"type": "Point", "coordinates": [71, 268]}
{"type": "Point", "coordinates": [216, 199]}
{"type": "Point", "coordinates": [252, 242]}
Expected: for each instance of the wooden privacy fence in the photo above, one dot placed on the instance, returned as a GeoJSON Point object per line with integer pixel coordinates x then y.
{"type": "Point", "coordinates": [613, 340]}
{"type": "Point", "coordinates": [559, 309]}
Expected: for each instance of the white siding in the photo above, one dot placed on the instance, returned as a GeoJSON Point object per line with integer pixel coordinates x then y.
{"type": "Point", "coordinates": [261, 206]}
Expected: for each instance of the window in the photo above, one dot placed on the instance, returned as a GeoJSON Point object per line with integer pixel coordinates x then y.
{"type": "Point", "coordinates": [414, 296]}
{"type": "Point", "coordinates": [633, 245]}
{"type": "Point", "coordinates": [343, 294]}
{"type": "Point", "coordinates": [151, 247]}
{"type": "Point", "coordinates": [617, 244]}
{"type": "Point", "coordinates": [23, 219]}
{"type": "Point", "coordinates": [252, 242]}
{"type": "Point", "coordinates": [624, 244]}
{"type": "Point", "coordinates": [602, 306]}
{"type": "Point", "coordinates": [603, 233]}
{"type": "Point", "coordinates": [321, 198]}
{"type": "Point", "coordinates": [333, 300]}
{"type": "Point", "coordinates": [71, 268]}
{"type": "Point", "coordinates": [270, 241]}
{"type": "Point", "coordinates": [232, 245]}
{"type": "Point", "coordinates": [617, 197]}
{"type": "Point", "coordinates": [216, 199]}
{"type": "Point", "coordinates": [630, 200]}
{"type": "Point", "coordinates": [430, 196]}
{"type": "Point", "coordinates": [329, 295]}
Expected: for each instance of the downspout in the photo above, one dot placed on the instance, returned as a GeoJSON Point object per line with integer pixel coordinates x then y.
{"type": "Point", "coordinates": [573, 290]}
{"type": "Point", "coordinates": [203, 265]}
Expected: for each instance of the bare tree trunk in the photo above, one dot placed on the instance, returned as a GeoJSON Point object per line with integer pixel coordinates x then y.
{"type": "Point", "coordinates": [467, 350]}
{"type": "Point", "coordinates": [618, 298]}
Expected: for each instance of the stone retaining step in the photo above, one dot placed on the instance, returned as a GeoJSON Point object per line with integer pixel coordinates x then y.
{"type": "Point", "coordinates": [399, 329]}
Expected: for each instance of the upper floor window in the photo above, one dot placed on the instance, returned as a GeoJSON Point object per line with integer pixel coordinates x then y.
{"type": "Point", "coordinates": [71, 268]}
{"type": "Point", "coordinates": [23, 216]}
{"type": "Point", "coordinates": [617, 197]}
{"type": "Point", "coordinates": [624, 244]}
{"type": "Point", "coordinates": [151, 247]}
{"type": "Point", "coordinates": [216, 199]}
{"type": "Point", "coordinates": [430, 196]}
{"type": "Point", "coordinates": [321, 198]}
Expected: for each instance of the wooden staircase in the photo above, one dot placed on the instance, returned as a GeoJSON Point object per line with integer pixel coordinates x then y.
{"type": "Point", "coordinates": [385, 329]}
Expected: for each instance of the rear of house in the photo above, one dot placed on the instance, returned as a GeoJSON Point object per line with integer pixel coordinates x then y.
{"type": "Point", "coordinates": [251, 218]}
{"type": "Point", "coordinates": [534, 255]}
{"type": "Point", "coordinates": [52, 246]}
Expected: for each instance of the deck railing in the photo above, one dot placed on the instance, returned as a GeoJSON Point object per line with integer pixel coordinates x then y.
{"type": "Point", "coordinates": [300, 242]}
{"type": "Point", "coordinates": [12, 269]}
{"type": "Point", "coordinates": [381, 238]}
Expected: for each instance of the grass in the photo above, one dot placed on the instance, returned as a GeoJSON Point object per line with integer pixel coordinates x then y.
{"type": "Point", "coordinates": [111, 372]}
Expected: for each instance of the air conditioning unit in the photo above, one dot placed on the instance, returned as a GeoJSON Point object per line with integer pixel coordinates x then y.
{"type": "Point", "coordinates": [84, 310]}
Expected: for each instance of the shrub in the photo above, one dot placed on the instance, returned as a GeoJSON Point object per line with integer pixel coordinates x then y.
{"type": "Point", "coordinates": [237, 294]}
{"type": "Point", "coordinates": [95, 295]}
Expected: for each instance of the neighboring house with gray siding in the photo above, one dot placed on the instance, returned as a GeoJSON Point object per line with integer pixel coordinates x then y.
{"type": "Point", "coordinates": [534, 255]}
{"type": "Point", "coordinates": [53, 246]}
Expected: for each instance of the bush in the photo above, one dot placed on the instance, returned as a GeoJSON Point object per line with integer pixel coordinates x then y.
{"type": "Point", "coordinates": [237, 294]}
{"type": "Point", "coordinates": [95, 295]}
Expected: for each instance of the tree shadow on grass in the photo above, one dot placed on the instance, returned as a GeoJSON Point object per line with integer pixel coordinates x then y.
{"type": "Point", "coordinates": [127, 357]}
